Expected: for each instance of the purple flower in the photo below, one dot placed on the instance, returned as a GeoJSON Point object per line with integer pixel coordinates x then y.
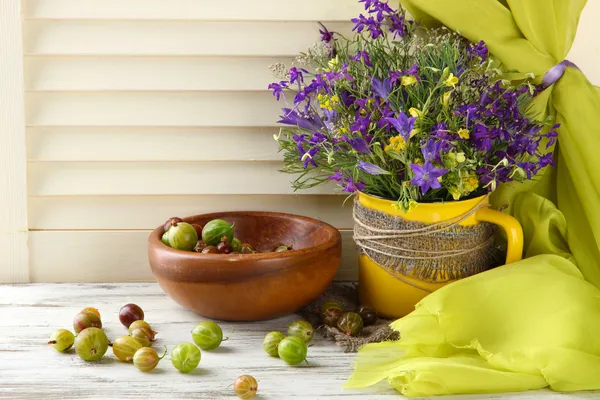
{"type": "Point", "coordinates": [374, 27]}
{"type": "Point", "coordinates": [317, 138]}
{"type": "Point", "coordinates": [395, 76]}
{"type": "Point", "coordinates": [297, 75]}
{"type": "Point", "coordinates": [308, 157]}
{"type": "Point", "coordinates": [431, 151]}
{"type": "Point", "coordinates": [299, 138]}
{"type": "Point", "coordinates": [397, 25]}
{"type": "Point", "coordinates": [552, 135]}
{"type": "Point", "coordinates": [304, 121]}
{"type": "Point", "coordinates": [426, 176]}
{"type": "Point", "coordinates": [382, 88]}
{"type": "Point", "coordinates": [326, 36]}
{"type": "Point", "coordinates": [441, 130]}
{"type": "Point", "coordinates": [403, 124]}
{"type": "Point", "coordinates": [359, 144]}
{"type": "Point", "coordinates": [278, 89]}
{"type": "Point", "coordinates": [337, 176]}
{"type": "Point", "coordinates": [371, 169]}
{"type": "Point", "coordinates": [364, 56]}
{"type": "Point", "coordinates": [483, 138]}
{"type": "Point", "coordinates": [479, 50]}
{"type": "Point", "coordinates": [546, 160]}
{"type": "Point", "coordinates": [361, 124]}
{"type": "Point", "coordinates": [352, 186]}
{"type": "Point", "coordinates": [469, 111]}
{"type": "Point", "coordinates": [414, 71]}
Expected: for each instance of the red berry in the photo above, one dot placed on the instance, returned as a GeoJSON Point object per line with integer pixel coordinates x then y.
{"type": "Point", "coordinates": [224, 248]}
{"type": "Point", "coordinates": [172, 222]}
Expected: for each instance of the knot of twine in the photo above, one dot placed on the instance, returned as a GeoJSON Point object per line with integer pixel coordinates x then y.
{"type": "Point", "coordinates": [435, 253]}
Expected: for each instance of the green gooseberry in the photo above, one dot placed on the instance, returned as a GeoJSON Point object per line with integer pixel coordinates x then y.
{"type": "Point", "coordinates": [292, 350]}
{"type": "Point", "coordinates": [271, 343]}
{"type": "Point", "coordinates": [301, 329]}
{"type": "Point", "coordinates": [61, 340]}
{"type": "Point", "coordinates": [236, 245]}
{"type": "Point", "coordinates": [91, 344]}
{"type": "Point", "coordinates": [185, 357]}
{"type": "Point", "coordinates": [183, 236]}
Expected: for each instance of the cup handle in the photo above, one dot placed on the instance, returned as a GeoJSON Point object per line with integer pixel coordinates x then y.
{"type": "Point", "coordinates": [512, 227]}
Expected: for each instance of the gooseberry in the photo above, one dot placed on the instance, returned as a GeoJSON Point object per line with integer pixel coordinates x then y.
{"type": "Point", "coordinates": [245, 387]}
{"type": "Point", "coordinates": [368, 315]}
{"type": "Point", "coordinates": [199, 246]}
{"type": "Point", "coordinates": [165, 239]}
{"type": "Point", "coordinates": [271, 343]}
{"type": "Point", "coordinates": [210, 250]}
{"type": "Point", "coordinates": [143, 336]}
{"type": "Point", "coordinates": [141, 324]}
{"type": "Point", "coordinates": [183, 237]}
{"type": "Point", "coordinates": [86, 319]}
{"type": "Point", "coordinates": [91, 344]}
{"type": "Point", "coordinates": [351, 324]}
{"type": "Point", "coordinates": [146, 359]}
{"type": "Point", "coordinates": [236, 245]}
{"type": "Point", "coordinates": [331, 316]}
{"type": "Point", "coordinates": [61, 340]}
{"type": "Point", "coordinates": [208, 335]}
{"type": "Point", "coordinates": [247, 249]}
{"type": "Point", "coordinates": [185, 357]}
{"type": "Point", "coordinates": [292, 350]}
{"type": "Point", "coordinates": [301, 329]}
{"type": "Point", "coordinates": [213, 232]}
{"type": "Point", "coordinates": [198, 229]}
{"type": "Point", "coordinates": [224, 247]}
{"type": "Point", "coordinates": [330, 305]}
{"type": "Point", "coordinates": [130, 313]}
{"type": "Point", "coordinates": [281, 249]}
{"type": "Point", "coordinates": [124, 347]}
{"type": "Point", "coordinates": [92, 310]}
{"type": "Point", "coordinates": [171, 222]}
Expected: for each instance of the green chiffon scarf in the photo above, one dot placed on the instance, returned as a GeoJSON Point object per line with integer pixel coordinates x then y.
{"type": "Point", "coordinates": [534, 323]}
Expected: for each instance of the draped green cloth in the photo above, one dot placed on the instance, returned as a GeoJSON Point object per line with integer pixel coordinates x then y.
{"type": "Point", "coordinates": [534, 323]}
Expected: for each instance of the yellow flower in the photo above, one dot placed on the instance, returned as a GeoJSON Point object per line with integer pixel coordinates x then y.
{"type": "Point", "coordinates": [397, 143]}
{"type": "Point", "coordinates": [463, 133]}
{"type": "Point", "coordinates": [408, 80]}
{"type": "Point", "coordinates": [333, 63]}
{"type": "Point", "coordinates": [460, 157]}
{"type": "Point", "coordinates": [415, 112]}
{"type": "Point", "coordinates": [328, 102]}
{"type": "Point", "coordinates": [414, 132]}
{"type": "Point", "coordinates": [418, 161]}
{"type": "Point", "coordinates": [446, 99]}
{"type": "Point", "coordinates": [451, 81]}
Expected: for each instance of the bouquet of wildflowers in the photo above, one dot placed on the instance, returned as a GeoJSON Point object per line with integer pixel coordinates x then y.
{"type": "Point", "coordinates": [406, 113]}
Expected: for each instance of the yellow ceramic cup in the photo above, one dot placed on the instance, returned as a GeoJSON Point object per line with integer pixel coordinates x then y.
{"type": "Point", "coordinates": [394, 298]}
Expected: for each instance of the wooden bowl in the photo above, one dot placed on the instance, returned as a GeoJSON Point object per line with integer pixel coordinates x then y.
{"type": "Point", "coordinates": [250, 287]}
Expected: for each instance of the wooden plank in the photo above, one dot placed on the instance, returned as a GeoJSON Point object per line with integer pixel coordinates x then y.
{"type": "Point", "coordinates": [170, 109]}
{"type": "Point", "coordinates": [266, 10]}
{"type": "Point", "coordinates": [90, 73]}
{"type": "Point", "coordinates": [147, 212]}
{"type": "Point", "coordinates": [152, 144]}
{"type": "Point", "coordinates": [32, 312]}
{"type": "Point", "coordinates": [156, 178]}
{"type": "Point", "coordinates": [173, 38]}
{"type": "Point", "coordinates": [14, 265]}
{"type": "Point", "coordinates": [115, 256]}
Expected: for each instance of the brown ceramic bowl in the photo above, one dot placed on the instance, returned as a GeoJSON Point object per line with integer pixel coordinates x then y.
{"type": "Point", "coordinates": [250, 287]}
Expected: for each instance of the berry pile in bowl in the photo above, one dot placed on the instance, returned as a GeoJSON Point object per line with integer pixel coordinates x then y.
{"type": "Point", "coordinates": [244, 266]}
{"type": "Point", "coordinates": [216, 237]}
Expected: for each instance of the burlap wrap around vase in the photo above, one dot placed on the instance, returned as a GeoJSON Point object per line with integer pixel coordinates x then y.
{"type": "Point", "coordinates": [405, 256]}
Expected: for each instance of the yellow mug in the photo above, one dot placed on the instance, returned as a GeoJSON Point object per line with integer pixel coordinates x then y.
{"type": "Point", "coordinates": [394, 298]}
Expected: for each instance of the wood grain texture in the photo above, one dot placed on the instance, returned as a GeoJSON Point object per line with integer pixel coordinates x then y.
{"type": "Point", "coordinates": [165, 178]}
{"type": "Point", "coordinates": [236, 10]}
{"type": "Point", "coordinates": [30, 313]}
{"type": "Point", "coordinates": [175, 38]}
{"type": "Point", "coordinates": [13, 193]}
{"type": "Point", "coordinates": [146, 212]}
{"type": "Point", "coordinates": [152, 144]}
{"type": "Point", "coordinates": [118, 256]}
{"type": "Point", "coordinates": [97, 73]}
{"type": "Point", "coordinates": [158, 109]}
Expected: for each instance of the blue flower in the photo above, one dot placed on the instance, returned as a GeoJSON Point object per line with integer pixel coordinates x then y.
{"type": "Point", "coordinates": [352, 186]}
{"type": "Point", "coordinates": [359, 144]}
{"type": "Point", "coordinates": [317, 138]}
{"type": "Point", "coordinates": [382, 88]}
{"type": "Point", "coordinates": [304, 121]}
{"type": "Point", "coordinates": [278, 89]}
{"type": "Point", "coordinates": [297, 75]}
{"type": "Point", "coordinates": [372, 169]}
{"type": "Point", "coordinates": [364, 56]}
{"type": "Point", "coordinates": [426, 176]}
{"type": "Point", "coordinates": [479, 50]}
{"type": "Point", "coordinates": [403, 124]}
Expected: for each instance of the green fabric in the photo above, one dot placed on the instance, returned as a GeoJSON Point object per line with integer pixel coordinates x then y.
{"type": "Point", "coordinates": [534, 323]}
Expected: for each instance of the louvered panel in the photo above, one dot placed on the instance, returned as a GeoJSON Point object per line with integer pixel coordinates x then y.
{"type": "Point", "coordinates": [147, 212]}
{"type": "Point", "coordinates": [117, 256]}
{"type": "Point", "coordinates": [76, 73]}
{"type": "Point", "coordinates": [172, 109]}
{"type": "Point", "coordinates": [164, 178]}
{"type": "Point", "coordinates": [263, 10]}
{"type": "Point", "coordinates": [151, 144]}
{"type": "Point", "coordinates": [172, 38]}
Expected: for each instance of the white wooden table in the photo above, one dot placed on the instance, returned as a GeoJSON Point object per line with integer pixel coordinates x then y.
{"type": "Point", "coordinates": [30, 369]}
